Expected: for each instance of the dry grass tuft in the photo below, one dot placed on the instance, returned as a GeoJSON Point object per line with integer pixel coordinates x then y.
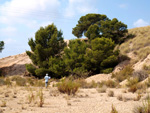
{"type": "Point", "coordinates": [113, 110]}
{"type": "Point", "coordinates": [68, 86]}
{"type": "Point", "coordinates": [41, 98]}
{"type": "Point", "coordinates": [139, 44]}
{"type": "Point", "coordinates": [110, 93]}
{"type": "Point", "coordinates": [3, 104]}
{"type": "Point", "coordinates": [145, 108]}
{"type": "Point", "coordinates": [119, 97]}
{"type": "Point", "coordinates": [123, 74]}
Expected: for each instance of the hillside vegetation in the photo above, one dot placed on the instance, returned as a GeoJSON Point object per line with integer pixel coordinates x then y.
{"type": "Point", "coordinates": [138, 46]}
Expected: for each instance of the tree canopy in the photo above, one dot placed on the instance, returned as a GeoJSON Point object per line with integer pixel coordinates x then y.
{"type": "Point", "coordinates": [1, 46]}
{"type": "Point", "coordinates": [101, 57]}
{"type": "Point", "coordinates": [97, 25]}
{"type": "Point", "coordinates": [74, 56]}
{"type": "Point", "coordinates": [46, 52]}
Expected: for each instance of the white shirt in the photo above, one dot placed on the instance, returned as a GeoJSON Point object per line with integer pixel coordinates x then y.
{"type": "Point", "coordinates": [46, 78]}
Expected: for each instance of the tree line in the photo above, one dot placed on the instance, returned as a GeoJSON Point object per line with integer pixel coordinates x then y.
{"type": "Point", "coordinates": [50, 53]}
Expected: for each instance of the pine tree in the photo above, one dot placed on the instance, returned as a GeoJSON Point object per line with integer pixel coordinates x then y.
{"type": "Point", "coordinates": [47, 47]}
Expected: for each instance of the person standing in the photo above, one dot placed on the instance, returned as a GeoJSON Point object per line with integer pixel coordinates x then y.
{"type": "Point", "coordinates": [46, 79]}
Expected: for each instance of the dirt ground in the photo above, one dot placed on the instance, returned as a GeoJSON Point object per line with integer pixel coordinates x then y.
{"type": "Point", "coordinates": [17, 100]}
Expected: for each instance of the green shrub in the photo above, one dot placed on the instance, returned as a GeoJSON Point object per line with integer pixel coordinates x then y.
{"type": "Point", "coordinates": [40, 72]}
{"type": "Point", "coordinates": [80, 72]}
{"type": "Point", "coordinates": [68, 86]}
{"type": "Point", "coordinates": [107, 71]}
{"type": "Point", "coordinates": [30, 68]}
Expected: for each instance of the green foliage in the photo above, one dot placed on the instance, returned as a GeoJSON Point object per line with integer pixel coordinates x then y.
{"type": "Point", "coordinates": [1, 46]}
{"type": "Point", "coordinates": [107, 71]}
{"type": "Point", "coordinates": [85, 22]}
{"type": "Point", "coordinates": [97, 25]}
{"type": "Point", "coordinates": [57, 67]}
{"type": "Point", "coordinates": [74, 56]}
{"type": "Point", "coordinates": [30, 68]}
{"type": "Point", "coordinates": [41, 72]}
{"type": "Point", "coordinates": [101, 57]}
{"type": "Point", "coordinates": [68, 86]}
{"type": "Point", "coordinates": [48, 44]}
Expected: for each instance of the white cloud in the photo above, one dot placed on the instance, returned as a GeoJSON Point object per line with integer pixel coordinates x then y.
{"type": "Point", "coordinates": [123, 6]}
{"type": "Point", "coordinates": [8, 31]}
{"type": "Point", "coordinates": [80, 7]}
{"type": "Point", "coordinates": [9, 41]}
{"type": "Point", "coordinates": [140, 23]}
{"type": "Point", "coordinates": [15, 10]}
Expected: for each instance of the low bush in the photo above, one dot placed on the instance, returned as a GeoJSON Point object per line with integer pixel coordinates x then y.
{"type": "Point", "coordinates": [132, 88]}
{"type": "Point", "coordinates": [68, 86]}
{"type": "Point", "coordinates": [31, 81]}
{"type": "Point", "coordinates": [84, 84]}
{"type": "Point", "coordinates": [123, 74]}
{"type": "Point", "coordinates": [8, 82]}
{"type": "Point", "coordinates": [111, 83]}
{"type": "Point", "coordinates": [21, 81]}
{"type": "Point", "coordinates": [132, 81]}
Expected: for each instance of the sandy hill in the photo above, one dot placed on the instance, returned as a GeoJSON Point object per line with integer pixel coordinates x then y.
{"type": "Point", "coordinates": [14, 65]}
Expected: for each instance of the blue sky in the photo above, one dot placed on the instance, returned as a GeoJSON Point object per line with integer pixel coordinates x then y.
{"type": "Point", "coordinates": [20, 19]}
